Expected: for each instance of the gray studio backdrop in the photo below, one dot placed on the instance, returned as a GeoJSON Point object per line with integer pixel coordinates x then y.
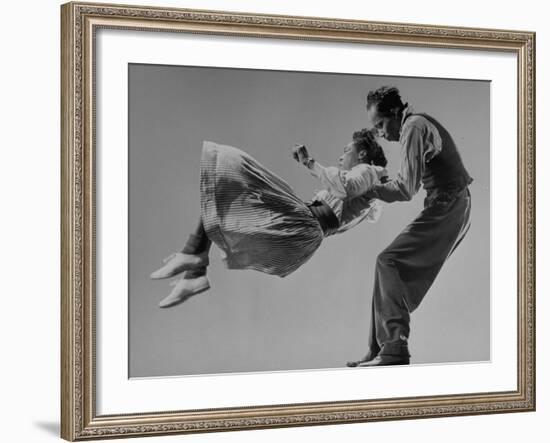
{"type": "Point", "coordinates": [317, 317]}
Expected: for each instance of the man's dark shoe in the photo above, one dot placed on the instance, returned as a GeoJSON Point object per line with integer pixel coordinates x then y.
{"type": "Point", "coordinates": [369, 357]}
{"type": "Point", "coordinates": [386, 360]}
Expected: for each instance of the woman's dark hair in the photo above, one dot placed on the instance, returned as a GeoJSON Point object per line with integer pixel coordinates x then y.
{"type": "Point", "coordinates": [364, 140]}
{"type": "Point", "coordinates": [387, 98]}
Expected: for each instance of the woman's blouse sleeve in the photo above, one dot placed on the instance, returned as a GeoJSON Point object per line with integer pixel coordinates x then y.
{"type": "Point", "coordinates": [347, 184]}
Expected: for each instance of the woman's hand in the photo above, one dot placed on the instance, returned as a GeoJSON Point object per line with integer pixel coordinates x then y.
{"type": "Point", "coordinates": [300, 154]}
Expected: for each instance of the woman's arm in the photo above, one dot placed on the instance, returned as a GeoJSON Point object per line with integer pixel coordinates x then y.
{"type": "Point", "coordinates": [341, 184]}
{"type": "Point", "coordinates": [347, 184]}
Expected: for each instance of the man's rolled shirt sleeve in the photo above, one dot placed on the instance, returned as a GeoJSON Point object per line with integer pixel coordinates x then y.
{"type": "Point", "coordinates": [408, 180]}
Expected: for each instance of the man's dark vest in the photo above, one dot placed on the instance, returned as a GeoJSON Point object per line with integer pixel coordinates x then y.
{"type": "Point", "coordinates": [445, 170]}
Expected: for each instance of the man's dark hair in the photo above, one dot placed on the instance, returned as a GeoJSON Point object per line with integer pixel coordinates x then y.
{"type": "Point", "coordinates": [387, 98]}
{"type": "Point", "coordinates": [364, 140]}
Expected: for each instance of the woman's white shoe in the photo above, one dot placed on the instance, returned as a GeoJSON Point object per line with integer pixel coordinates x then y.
{"type": "Point", "coordinates": [179, 262]}
{"type": "Point", "coordinates": [185, 288]}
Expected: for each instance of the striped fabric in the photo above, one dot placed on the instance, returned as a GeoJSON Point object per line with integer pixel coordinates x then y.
{"type": "Point", "coordinates": [252, 215]}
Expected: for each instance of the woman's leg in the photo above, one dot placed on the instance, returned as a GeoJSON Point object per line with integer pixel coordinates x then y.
{"type": "Point", "coordinates": [193, 257]}
{"type": "Point", "coordinates": [198, 243]}
{"type": "Point", "coordinates": [194, 279]}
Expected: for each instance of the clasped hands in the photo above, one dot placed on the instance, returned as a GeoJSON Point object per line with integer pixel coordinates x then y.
{"type": "Point", "coordinates": [301, 155]}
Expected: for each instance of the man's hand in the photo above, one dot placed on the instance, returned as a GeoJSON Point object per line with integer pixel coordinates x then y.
{"type": "Point", "coordinates": [371, 193]}
{"type": "Point", "coordinates": [300, 154]}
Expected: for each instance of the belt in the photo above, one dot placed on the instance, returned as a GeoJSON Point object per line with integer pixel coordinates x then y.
{"type": "Point", "coordinates": [443, 196]}
{"type": "Point", "coordinates": [325, 216]}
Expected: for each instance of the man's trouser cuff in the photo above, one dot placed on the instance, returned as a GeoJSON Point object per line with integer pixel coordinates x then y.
{"type": "Point", "coordinates": [399, 349]}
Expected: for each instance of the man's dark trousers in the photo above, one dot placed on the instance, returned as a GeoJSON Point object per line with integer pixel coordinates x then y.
{"type": "Point", "coordinates": [406, 269]}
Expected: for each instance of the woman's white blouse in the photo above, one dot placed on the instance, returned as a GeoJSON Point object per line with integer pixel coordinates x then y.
{"type": "Point", "coordinates": [340, 185]}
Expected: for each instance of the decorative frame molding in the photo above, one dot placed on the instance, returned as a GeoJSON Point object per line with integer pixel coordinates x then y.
{"type": "Point", "coordinates": [79, 22]}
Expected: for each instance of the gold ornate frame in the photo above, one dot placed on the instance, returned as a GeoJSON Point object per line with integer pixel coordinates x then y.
{"type": "Point", "coordinates": [79, 22]}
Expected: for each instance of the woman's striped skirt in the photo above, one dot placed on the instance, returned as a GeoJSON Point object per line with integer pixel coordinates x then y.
{"type": "Point", "coordinates": [252, 215]}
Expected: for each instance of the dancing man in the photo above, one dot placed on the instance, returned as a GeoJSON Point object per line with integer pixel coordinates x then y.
{"type": "Point", "coordinates": [406, 269]}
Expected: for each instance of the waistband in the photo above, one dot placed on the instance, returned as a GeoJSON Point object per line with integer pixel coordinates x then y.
{"type": "Point", "coordinates": [325, 216]}
{"type": "Point", "coordinates": [444, 195]}
{"type": "Point", "coordinates": [456, 185]}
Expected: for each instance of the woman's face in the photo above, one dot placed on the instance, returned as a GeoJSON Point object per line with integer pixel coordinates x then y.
{"type": "Point", "coordinates": [351, 157]}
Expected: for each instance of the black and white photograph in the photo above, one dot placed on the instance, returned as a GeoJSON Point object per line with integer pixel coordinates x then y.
{"type": "Point", "coordinates": [275, 221]}
{"type": "Point", "coordinates": [286, 220]}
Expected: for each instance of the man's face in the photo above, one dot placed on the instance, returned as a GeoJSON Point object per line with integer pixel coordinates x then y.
{"type": "Point", "coordinates": [387, 127]}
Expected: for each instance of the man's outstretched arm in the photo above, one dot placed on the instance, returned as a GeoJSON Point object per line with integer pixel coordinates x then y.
{"type": "Point", "coordinates": [407, 182]}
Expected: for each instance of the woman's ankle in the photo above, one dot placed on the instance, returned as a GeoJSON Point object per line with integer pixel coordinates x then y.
{"type": "Point", "coordinates": [195, 273]}
{"type": "Point", "coordinates": [196, 244]}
